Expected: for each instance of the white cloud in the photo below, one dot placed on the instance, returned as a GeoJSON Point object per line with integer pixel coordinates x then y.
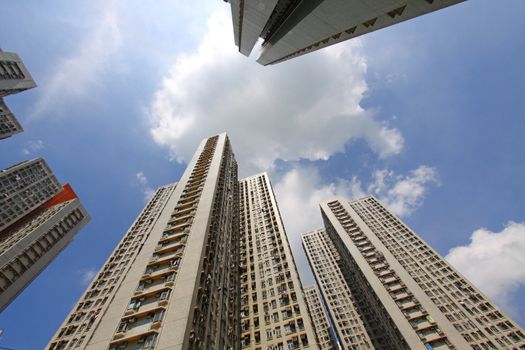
{"type": "Point", "coordinates": [402, 194]}
{"type": "Point", "coordinates": [300, 190]}
{"type": "Point", "coordinates": [147, 191]}
{"type": "Point", "coordinates": [305, 108]}
{"type": "Point", "coordinates": [80, 73]}
{"type": "Point", "coordinates": [494, 261]}
{"type": "Point", "coordinates": [299, 193]}
{"type": "Point", "coordinates": [87, 276]}
{"type": "Point", "coordinates": [33, 146]}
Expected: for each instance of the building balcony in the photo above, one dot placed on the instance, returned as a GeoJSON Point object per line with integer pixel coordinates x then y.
{"type": "Point", "coordinates": [390, 280]}
{"type": "Point", "coordinates": [385, 273]}
{"type": "Point", "coordinates": [188, 202]}
{"type": "Point", "coordinates": [401, 296]}
{"type": "Point", "coordinates": [414, 314]}
{"type": "Point", "coordinates": [434, 337]}
{"type": "Point", "coordinates": [395, 287]}
{"type": "Point", "coordinates": [151, 290]}
{"type": "Point", "coordinates": [142, 312]}
{"type": "Point", "coordinates": [181, 218]}
{"type": "Point", "coordinates": [166, 247]}
{"type": "Point", "coordinates": [174, 238]}
{"type": "Point", "coordinates": [423, 325]}
{"type": "Point", "coordinates": [408, 305]}
{"type": "Point", "coordinates": [172, 247]}
{"type": "Point", "coordinates": [185, 206]}
{"type": "Point", "coordinates": [159, 274]}
{"type": "Point", "coordinates": [133, 335]}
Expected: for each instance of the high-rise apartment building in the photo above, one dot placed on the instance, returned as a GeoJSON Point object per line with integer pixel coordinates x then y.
{"type": "Point", "coordinates": [324, 262]}
{"type": "Point", "coordinates": [14, 78]}
{"type": "Point", "coordinates": [325, 340]}
{"type": "Point", "coordinates": [173, 280]}
{"type": "Point", "coordinates": [407, 295]}
{"type": "Point", "coordinates": [206, 265]}
{"type": "Point", "coordinates": [8, 123]}
{"type": "Point", "coordinates": [23, 188]}
{"type": "Point", "coordinates": [79, 326]}
{"type": "Point", "coordinates": [38, 218]}
{"type": "Point", "coordinates": [291, 28]}
{"type": "Point", "coordinates": [274, 315]}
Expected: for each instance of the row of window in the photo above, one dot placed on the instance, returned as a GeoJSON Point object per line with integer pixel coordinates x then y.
{"type": "Point", "coordinates": [95, 301]}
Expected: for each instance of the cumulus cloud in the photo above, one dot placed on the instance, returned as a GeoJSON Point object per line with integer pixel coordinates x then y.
{"type": "Point", "coordinates": [305, 108]}
{"type": "Point", "coordinates": [299, 193]}
{"type": "Point", "coordinates": [494, 261]}
{"type": "Point", "coordinates": [79, 74]}
{"type": "Point", "coordinates": [402, 194]}
{"type": "Point", "coordinates": [300, 190]}
{"type": "Point", "coordinates": [143, 182]}
{"type": "Point", "coordinates": [32, 147]}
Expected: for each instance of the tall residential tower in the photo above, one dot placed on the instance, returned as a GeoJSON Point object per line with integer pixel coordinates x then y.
{"type": "Point", "coordinates": [292, 28]}
{"type": "Point", "coordinates": [206, 265]}
{"type": "Point", "coordinates": [274, 314]}
{"type": "Point", "coordinates": [407, 295]}
{"type": "Point", "coordinates": [323, 331]}
{"type": "Point", "coordinates": [324, 261]}
{"type": "Point", "coordinates": [172, 281]}
{"type": "Point", "coordinates": [14, 78]}
{"type": "Point", "coordinates": [38, 218]}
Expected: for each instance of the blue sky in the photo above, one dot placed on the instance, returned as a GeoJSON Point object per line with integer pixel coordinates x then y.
{"type": "Point", "coordinates": [426, 115]}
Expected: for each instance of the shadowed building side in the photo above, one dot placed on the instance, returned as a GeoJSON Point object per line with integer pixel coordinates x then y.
{"type": "Point", "coordinates": [322, 328]}
{"type": "Point", "coordinates": [296, 27]}
{"type": "Point", "coordinates": [33, 241]}
{"type": "Point", "coordinates": [274, 314]}
{"type": "Point", "coordinates": [249, 18]}
{"type": "Point", "coordinates": [14, 78]}
{"type": "Point", "coordinates": [173, 280]}
{"type": "Point", "coordinates": [408, 288]}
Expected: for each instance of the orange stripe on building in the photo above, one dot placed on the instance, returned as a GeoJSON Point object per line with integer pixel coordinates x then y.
{"type": "Point", "coordinates": [65, 195]}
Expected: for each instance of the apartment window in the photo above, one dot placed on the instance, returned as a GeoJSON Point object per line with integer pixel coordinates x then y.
{"type": "Point", "coordinates": [149, 342]}
{"type": "Point", "coordinates": [278, 332]}
{"type": "Point", "coordinates": [122, 327]}
{"type": "Point", "coordinates": [165, 295]}
{"type": "Point", "coordinates": [134, 304]}
{"type": "Point", "coordinates": [158, 316]}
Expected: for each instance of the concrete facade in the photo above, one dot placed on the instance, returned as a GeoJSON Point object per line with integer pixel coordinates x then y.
{"type": "Point", "coordinates": [14, 78]}
{"type": "Point", "coordinates": [274, 314]}
{"type": "Point", "coordinates": [206, 265]}
{"type": "Point", "coordinates": [295, 28]}
{"type": "Point", "coordinates": [249, 19]}
{"type": "Point", "coordinates": [406, 289]}
{"type": "Point", "coordinates": [86, 315]}
{"type": "Point", "coordinates": [325, 339]}
{"type": "Point", "coordinates": [29, 245]}
{"type": "Point", "coordinates": [9, 125]}
{"type": "Point", "coordinates": [174, 277]}
{"type": "Point", "coordinates": [23, 188]}
{"type": "Point", "coordinates": [339, 300]}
